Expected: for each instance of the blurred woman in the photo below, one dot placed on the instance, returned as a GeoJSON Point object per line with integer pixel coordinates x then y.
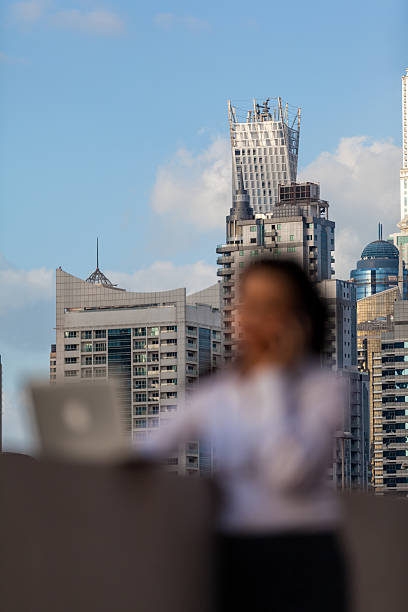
{"type": "Point", "coordinates": [271, 419]}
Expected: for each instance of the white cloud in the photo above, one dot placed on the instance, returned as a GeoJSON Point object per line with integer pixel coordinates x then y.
{"type": "Point", "coordinates": [30, 11]}
{"type": "Point", "coordinates": [21, 288]}
{"type": "Point", "coordinates": [164, 275]}
{"type": "Point", "coordinates": [360, 181]}
{"type": "Point", "coordinates": [195, 187]}
{"type": "Point", "coordinates": [96, 21]}
{"type": "Point", "coordinates": [167, 21]}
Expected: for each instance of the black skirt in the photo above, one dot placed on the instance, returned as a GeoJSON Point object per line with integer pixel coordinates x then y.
{"type": "Point", "coordinates": [295, 572]}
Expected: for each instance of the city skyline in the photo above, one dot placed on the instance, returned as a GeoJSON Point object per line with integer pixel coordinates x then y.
{"type": "Point", "coordinates": [201, 144]}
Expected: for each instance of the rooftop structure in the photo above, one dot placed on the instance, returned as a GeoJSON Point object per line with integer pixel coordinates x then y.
{"type": "Point", "coordinates": [265, 144]}
{"type": "Point", "coordinates": [97, 277]}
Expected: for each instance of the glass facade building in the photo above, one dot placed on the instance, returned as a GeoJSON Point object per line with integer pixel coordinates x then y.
{"type": "Point", "coordinates": [378, 270]}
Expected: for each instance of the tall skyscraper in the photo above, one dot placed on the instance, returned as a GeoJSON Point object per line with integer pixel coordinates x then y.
{"type": "Point", "coordinates": [404, 168]}
{"type": "Point", "coordinates": [155, 345]}
{"type": "Point", "coordinates": [273, 216]}
{"type": "Point", "coordinates": [265, 144]}
{"type": "Point", "coordinates": [400, 239]}
{"type": "Point", "coordinates": [297, 227]}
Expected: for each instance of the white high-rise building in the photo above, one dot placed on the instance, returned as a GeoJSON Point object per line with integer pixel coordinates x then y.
{"type": "Point", "coordinates": [265, 143]}
{"type": "Point", "coordinates": [400, 239]}
{"type": "Point", "coordinates": [154, 344]}
{"type": "Point", "coordinates": [404, 169]}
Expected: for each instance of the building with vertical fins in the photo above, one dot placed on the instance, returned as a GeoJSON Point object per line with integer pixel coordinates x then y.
{"type": "Point", "coordinates": [155, 345]}
{"type": "Point", "coordinates": [265, 144]}
{"type": "Point", "coordinates": [274, 216]}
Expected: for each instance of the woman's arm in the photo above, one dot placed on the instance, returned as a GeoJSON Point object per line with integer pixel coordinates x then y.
{"type": "Point", "coordinates": [184, 426]}
{"type": "Point", "coordinates": [297, 454]}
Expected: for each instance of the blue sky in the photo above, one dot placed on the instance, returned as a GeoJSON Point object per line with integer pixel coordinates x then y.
{"type": "Point", "coordinates": [112, 113]}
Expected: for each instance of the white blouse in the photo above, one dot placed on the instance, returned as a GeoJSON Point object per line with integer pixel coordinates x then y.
{"type": "Point", "coordinates": [272, 435]}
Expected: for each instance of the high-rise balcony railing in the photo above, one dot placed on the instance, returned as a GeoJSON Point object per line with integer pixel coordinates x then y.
{"type": "Point", "coordinates": [224, 272]}
{"type": "Point", "coordinates": [225, 259]}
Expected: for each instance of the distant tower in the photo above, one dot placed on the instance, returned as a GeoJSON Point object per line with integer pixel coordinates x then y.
{"type": "Point", "coordinates": [404, 169]}
{"type": "Point", "coordinates": [265, 144]}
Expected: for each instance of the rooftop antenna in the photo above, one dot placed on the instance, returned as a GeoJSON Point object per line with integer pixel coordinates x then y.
{"type": "Point", "coordinates": [98, 277]}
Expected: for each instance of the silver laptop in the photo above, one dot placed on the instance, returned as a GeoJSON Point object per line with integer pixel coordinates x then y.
{"type": "Point", "coordinates": [79, 421]}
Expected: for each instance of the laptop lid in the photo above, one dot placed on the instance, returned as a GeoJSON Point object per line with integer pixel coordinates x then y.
{"type": "Point", "coordinates": [79, 421]}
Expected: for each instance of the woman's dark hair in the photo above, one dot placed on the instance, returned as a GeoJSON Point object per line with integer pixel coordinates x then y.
{"type": "Point", "coordinates": [307, 300]}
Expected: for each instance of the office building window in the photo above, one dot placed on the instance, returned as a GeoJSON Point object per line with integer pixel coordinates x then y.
{"type": "Point", "coordinates": [70, 334]}
{"type": "Point", "coordinates": [139, 423]}
{"type": "Point", "coordinates": [100, 333]}
{"type": "Point", "coordinates": [139, 384]}
{"type": "Point", "coordinates": [86, 347]}
{"type": "Point", "coordinates": [139, 331]}
{"type": "Point", "coordinates": [139, 397]}
{"type": "Point", "coordinates": [71, 347]}
{"type": "Point", "coordinates": [86, 335]}
{"type": "Point", "coordinates": [139, 371]}
{"type": "Point", "coordinates": [139, 344]}
{"type": "Point", "coordinates": [70, 373]}
{"type": "Point", "coordinates": [70, 359]}
{"type": "Point", "coordinates": [138, 410]}
{"type": "Point", "coordinates": [152, 331]}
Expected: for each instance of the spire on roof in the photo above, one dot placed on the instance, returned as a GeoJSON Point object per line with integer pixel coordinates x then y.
{"type": "Point", "coordinates": [97, 277]}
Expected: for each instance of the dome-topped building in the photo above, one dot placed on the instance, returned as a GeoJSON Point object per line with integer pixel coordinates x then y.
{"type": "Point", "coordinates": [380, 249]}
{"type": "Point", "coordinates": [379, 269]}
